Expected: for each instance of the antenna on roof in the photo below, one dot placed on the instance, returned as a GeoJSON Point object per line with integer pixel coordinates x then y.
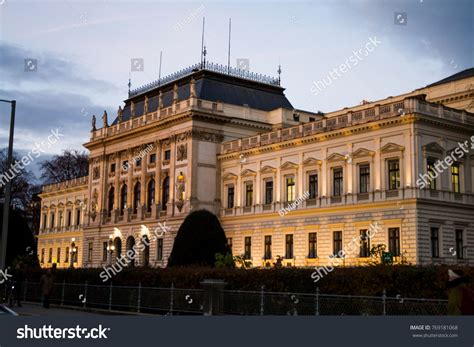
{"type": "Point", "coordinates": [203, 55]}
{"type": "Point", "coordinates": [129, 83]}
{"type": "Point", "coordinates": [228, 53]}
{"type": "Point", "coordinates": [279, 74]}
{"type": "Point", "coordinates": [159, 71]}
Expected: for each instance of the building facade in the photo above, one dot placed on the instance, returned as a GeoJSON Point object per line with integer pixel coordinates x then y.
{"type": "Point", "coordinates": [309, 188]}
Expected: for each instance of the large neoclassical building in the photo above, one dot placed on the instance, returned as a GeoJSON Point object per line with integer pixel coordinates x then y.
{"type": "Point", "coordinates": [284, 182]}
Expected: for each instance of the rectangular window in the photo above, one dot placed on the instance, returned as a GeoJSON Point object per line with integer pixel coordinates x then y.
{"type": "Point", "coordinates": [394, 241]}
{"type": "Point", "coordinates": [45, 218]}
{"type": "Point", "coordinates": [230, 196]}
{"type": "Point", "coordinates": [268, 247]}
{"type": "Point", "coordinates": [459, 244]}
{"type": "Point", "coordinates": [248, 194]}
{"type": "Point", "coordinates": [66, 256]}
{"type": "Point", "coordinates": [58, 255]}
{"type": "Point", "coordinates": [430, 169]}
{"type": "Point", "coordinates": [248, 247]}
{"type": "Point", "coordinates": [76, 254]}
{"type": "Point", "coordinates": [229, 243]}
{"type": "Point", "coordinates": [125, 165]}
{"type": "Point", "coordinates": [268, 192]}
{"type": "Point", "coordinates": [152, 158]}
{"type": "Point", "coordinates": [393, 174]}
{"type": "Point", "coordinates": [337, 244]}
{"type": "Point", "coordinates": [290, 189]}
{"type": "Point", "coordinates": [364, 178]}
{"type": "Point", "coordinates": [50, 256]}
{"type": "Point", "coordinates": [105, 250]}
{"type": "Point", "coordinates": [313, 186]}
{"type": "Point", "coordinates": [138, 162]}
{"type": "Point", "coordinates": [434, 242]}
{"type": "Point", "coordinates": [455, 178]}
{"type": "Point", "coordinates": [112, 168]}
{"type": "Point", "coordinates": [78, 216]}
{"type": "Point", "coordinates": [364, 244]}
{"type": "Point", "coordinates": [89, 252]}
{"type": "Point", "coordinates": [289, 246]}
{"type": "Point", "coordinates": [159, 247]}
{"type": "Point", "coordinates": [167, 154]}
{"type": "Point", "coordinates": [312, 245]}
{"type": "Point", "coordinates": [69, 218]}
{"type": "Point", "coordinates": [42, 256]}
{"type": "Point", "coordinates": [52, 220]}
{"type": "Point", "coordinates": [337, 182]}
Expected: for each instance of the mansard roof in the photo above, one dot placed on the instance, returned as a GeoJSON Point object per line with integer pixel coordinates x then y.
{"type": "Point", "coordinates": [457, 76]}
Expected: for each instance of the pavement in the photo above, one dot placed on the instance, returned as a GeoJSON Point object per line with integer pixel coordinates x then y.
{"type": "Point", "coordinates": [32, 309]}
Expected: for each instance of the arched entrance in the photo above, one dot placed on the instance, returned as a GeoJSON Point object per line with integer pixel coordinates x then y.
{"type": "Point", "coordinates": [129, 245]}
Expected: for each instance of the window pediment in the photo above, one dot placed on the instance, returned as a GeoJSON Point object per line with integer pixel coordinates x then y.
{"type": "Point", "coordinates": [288, 166]}
{"type": "Point", "coordinates": [392, 147]}
{"type": "Point", "coordinates": [267, 169]}
{"type": "Point", "coordinates": [433, 147]}
{"type": "Point", "coordinates": [311, 161]}
{"type": "Point", "coordinates": [248, 172]}
{"type": "Point", "coordinates": [362, 152]}
{"type": "Point", "coordinates": [229, 176]}
{"type": "Point", "coordinates": [336, 157]}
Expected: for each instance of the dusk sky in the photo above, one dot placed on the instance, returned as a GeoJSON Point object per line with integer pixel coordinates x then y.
{"type": "Point", "coordinates": [83, 51]}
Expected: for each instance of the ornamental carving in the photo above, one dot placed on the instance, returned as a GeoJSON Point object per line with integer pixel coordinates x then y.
{"type": "Point", "coordinates": [182, 152]}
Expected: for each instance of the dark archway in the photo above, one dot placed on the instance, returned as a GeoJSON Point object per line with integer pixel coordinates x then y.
{"type": "Point", "coordinates": [129, 246]}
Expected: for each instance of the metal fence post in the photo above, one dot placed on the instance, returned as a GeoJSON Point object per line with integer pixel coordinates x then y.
{"type": "Point", "coordinates": [317, 301]}
{"type": "Point", "coordinates": [262, 293]}
{"type": "Point", "coordinates": [171, 299]}
{"type": "Point", "coordinates": [85, 295]}
{"type": "Point", "coordinates": [62, 293]}
{"type": "Point", "coordinates": [24, 290]}
{"type": "Point", "coordinates": [110, 297]}
{"type": "Point", "coordinates": [139, 296]}
{"type": "Point", "coordinates": [384, 302]}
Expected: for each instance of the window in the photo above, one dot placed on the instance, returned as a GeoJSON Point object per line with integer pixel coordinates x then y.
{"type": "Point", "coordinates": [138, 162]}
{"type": "Point", "coordinates": [150, 201]}
{"type": "Point", "coordinates": [337, 243]}
{"type": "Point", "coordinates": [165, 193]}
{"type": "Point", "coordinates": [434, 242]}
{"type": "Point", "coordinates": [45, 218]}
{"type": "Point", "coordinates": [290, 189]}
{"type": "Point", "coordinates": [42, 256]}
{"type": "Point", "coordinates": [123, 199]}
{"type": "Point", "coordinates": [394, 241]}
{"type": "Point", "coordinates": [230, 196]}
{"type": "Point", "coordinates": [78, 216]}
{"type": "Point", "coordinates": [60, 219]}
{"type": "Point", "coordinates": [459, 244]}
{"type": "Point", "coordinates": [52, 220]}
{"type": "Point", "coordinates": [430, 169]}
{"type": "Point", "coordinates": [337, 182]}
{"type": "Point", "coordinates": [312, 245]}
{"type": "Point", "coordinates": [58, 255]}
{"type": "Point", "coordinates": [312, 119]}
{"type": "Point", "coordinates": [152, 158]}
{"type": "Point", "coordinates": [76, 254]}
{"type": "Point", "coordinates": [248, 247]}
{"type": "Point", "coordinates": [289, 246]}
{"type": "Point", "coordinates": [364, 178]}
{"type": "Point", "coordinates": [364, 244]}
{"type": "Point", "coordinates": [268, 247]}
{"type": "Point", "coordinates": [313, 186]}
{"type": "Point", "coordinates": [248, 194]}
{"type": "Point", "coordinates": [112, 168]}
{"type": "Point", "coordinates": [393, 174]}
{"type": "Point", "coordinates": [105, 246]}
{"type": "Point", "coordinates": [136, 196]}
{"type": "Point", "coordinates": [125, 165]}
{"type": "Point", "coordinates": [455, 178]}
{"type": "Point", "coordinates": [69, 218]}
{"type": "Point", "coordinates": [111, 200]}
{"type": "Point", "coordinates": [89, 252]}
{"type": "Point", "coordinates": [268, 192]}
{"type": "Point", "coordinates": [159, 249]}
{"type": "Point", "coordinates": [50, 256]}
{"type": "Point", "coordinates": [66, 256]}
{"type": "Point", "coordinates": [167, 154]}
{"type": "Point", "coordinates": [229, 243]}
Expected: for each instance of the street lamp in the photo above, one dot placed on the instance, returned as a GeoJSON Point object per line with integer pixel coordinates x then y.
{"type": "Point", "coordinates": [73, 252]}
{"type": "Point", "coordinates": [8, 188]}
{"type": "Point", "coordinates": [110, 249]}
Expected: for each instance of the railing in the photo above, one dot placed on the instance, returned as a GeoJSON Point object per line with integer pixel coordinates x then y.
{"type": "Point", "coordinates": [65, 184]}
{"type": "Point", "coordinates": [172, 300]}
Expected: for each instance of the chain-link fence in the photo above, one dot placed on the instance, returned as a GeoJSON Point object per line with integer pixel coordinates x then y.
{"type": "Point", "coordinates": [173, 301]}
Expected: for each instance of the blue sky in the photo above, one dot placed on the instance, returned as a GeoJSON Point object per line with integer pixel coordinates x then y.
{"type": "Point", "coordinates": [83, 51]}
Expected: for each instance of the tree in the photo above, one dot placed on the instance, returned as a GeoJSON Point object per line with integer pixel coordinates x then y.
{"type": "Point", "coordinates": [198, 240]}
{"type": "Point", "coordinates": [64, 167]}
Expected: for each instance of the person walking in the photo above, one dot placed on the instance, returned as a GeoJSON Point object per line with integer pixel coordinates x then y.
{"type": "Point", "coordinates": [46, 284]}
{"type": "Point", "coordinates": [460, 296]}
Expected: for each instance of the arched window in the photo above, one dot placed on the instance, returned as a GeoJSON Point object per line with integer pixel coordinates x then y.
{"type": "Point", "coordinates": [111, 200]}
{"type": "Point", "coordinates": [123, 199]}
{"type": "Point", "coordinates": [145, 256]}
{"type": "Point", "coordinates": [136, 197]}
{"type": "Point", "coordinates": [150, 201]}
{"type": "Point", "coordinates": [166, 192]}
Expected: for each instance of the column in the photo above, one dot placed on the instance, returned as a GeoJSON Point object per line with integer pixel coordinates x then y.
{"type": "Point", "coordinates": [154, 212]}
{"type": "Point", "coordinates": [172, 174]}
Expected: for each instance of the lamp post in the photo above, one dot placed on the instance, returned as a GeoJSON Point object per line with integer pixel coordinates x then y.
{"type": "Point", "coordinates": [110, 249]}
{"type": "Point", "coordinates": [8, 187]}
{"type": "Point", "coordinates": [73, 253]}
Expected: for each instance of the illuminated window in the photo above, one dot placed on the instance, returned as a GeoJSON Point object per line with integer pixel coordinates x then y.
{"type": "Point", "coordinates": [455, 178]}
{"type": "Point", "coordinates": [290, 189]}
{"type": "Point", "coordinates": [393, 174]}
